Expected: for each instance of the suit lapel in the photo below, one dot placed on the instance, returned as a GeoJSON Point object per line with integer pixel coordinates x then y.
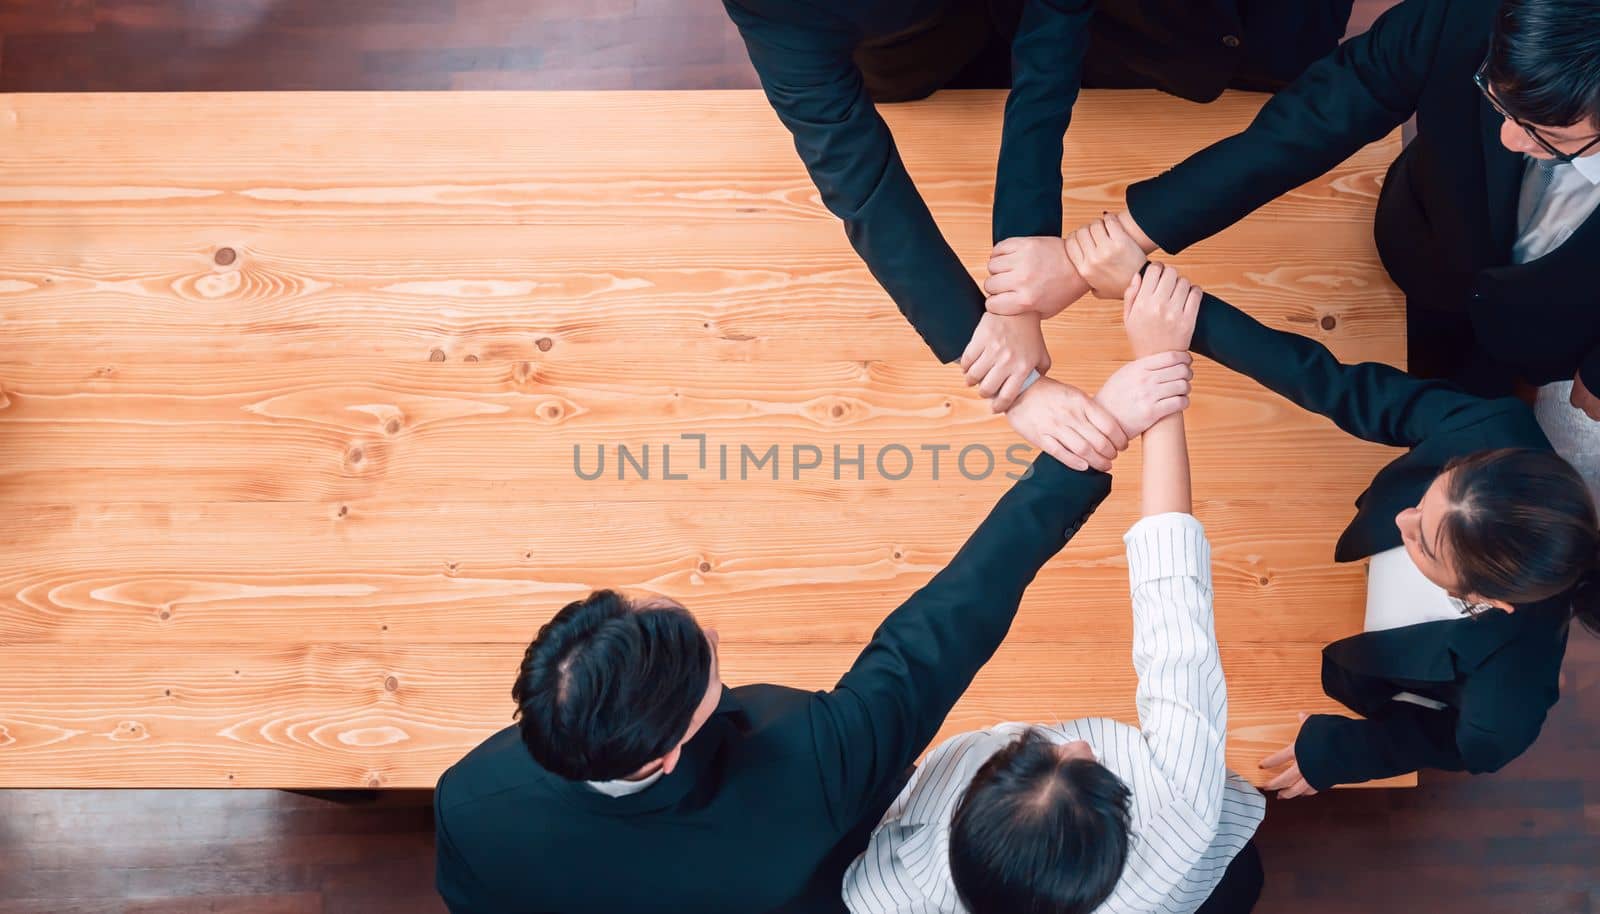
{"type": "Point", "coordinates": [1502, 171]}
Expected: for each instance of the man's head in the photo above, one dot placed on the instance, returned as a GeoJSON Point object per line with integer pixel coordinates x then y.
{"type": "Point", "coordinates": [1041, 829]}
{"type": "Point", "coordinates": [614, 686]}
{"type": "Point", "coordinates": [1543, 76]}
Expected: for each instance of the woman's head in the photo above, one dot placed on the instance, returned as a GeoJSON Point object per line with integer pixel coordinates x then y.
{"type": "Point", "coordinates": [1507, 528]}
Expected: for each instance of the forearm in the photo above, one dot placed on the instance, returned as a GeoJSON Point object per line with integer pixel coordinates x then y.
{"type": "Point", "coordinates": [1355, 95]}
{"type": "Point", "coordinates": [1047, 62]}
{"type": "Point", "coordinates": [1370, 400]}
{"type": "Point", "coordinates": [1166, 484]}
{"type": "Point", "coordinates": [817, 92]}
{"type": "Point", "coordinates": [1182, 698]}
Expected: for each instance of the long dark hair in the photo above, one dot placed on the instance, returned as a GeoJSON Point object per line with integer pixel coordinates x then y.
{"type": "Point", "coordinates": [1522, 528]}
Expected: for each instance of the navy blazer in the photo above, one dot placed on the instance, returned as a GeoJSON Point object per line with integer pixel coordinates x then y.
{"type": "Point", "coordinates": [780, 790]}
{"type": "Point", "coordinates": [1497, 672]}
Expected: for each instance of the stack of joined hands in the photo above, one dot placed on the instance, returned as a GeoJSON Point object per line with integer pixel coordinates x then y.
{"type": "Point", "coordinates": [1031, 279]}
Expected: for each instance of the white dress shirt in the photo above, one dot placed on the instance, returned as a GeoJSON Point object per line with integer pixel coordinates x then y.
{"type": "Point", "coordinates": [1398, 594]}
{"type": "Point", "coordinates": [622, 787]}
{"type": "Point", "coordinates": [1191, 815]}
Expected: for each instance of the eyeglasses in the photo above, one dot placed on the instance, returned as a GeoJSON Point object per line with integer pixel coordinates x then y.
{"type": "Point", "coordinates": [1532, 131]}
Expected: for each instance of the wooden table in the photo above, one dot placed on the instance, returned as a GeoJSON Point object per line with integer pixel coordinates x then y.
{"type": "Point", "coordinates": [291, 386]}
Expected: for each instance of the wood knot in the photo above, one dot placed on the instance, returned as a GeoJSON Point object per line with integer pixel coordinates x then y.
{"type": "Point", "coordinates": [522, 372]}
{"type": "Point", "coordinates": [384, 627]}
{"type": "Point", "coordinates": [528, 555]}
{"type": "Point", "coordinates": [705, 566]}
{"type": "Point", "coordinates": [166, 614]}
{"type": "Point", "coordinates": [1262, 580]}
{"type": "Point", "coordinates": [392, 426]}
{"type": "Point", "coordinates": [344, 510]}
{"type": "Point", "coordinates": [552, 411]}
{"type": "Point", "coordinates": [436, 355]}
{"type": "Point", "coordinates": [837, 411]}
{"type": "Point", "coordinates": [470, 358]}
{"type": "Point", "coordinates": [450, 568]}
{"type": "Point", "coordinates": [225, 256]}
{"type": "Point", "coordinates": [374, 782]}
{"type": "Point", "coordinates": [169, 693]}
{"type": "Point", "coordinates": [391, 684]}
{"type": "Point", "coordinates": [1329, 322]}
{"type": "Point", "coordinates": [544, 343]}
{"type": "Point", "coordinates": [357, 455]}
{"type": "Point", "coordinates": [898, 555]}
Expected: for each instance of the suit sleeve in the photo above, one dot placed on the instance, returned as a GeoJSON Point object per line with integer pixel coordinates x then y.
{"type": "Point", "coordinates": [1500, 715]}
{"type": "Point", "coordinates": [818, 93]}
{"type": "Point", "coordinates": [892, 701]}
{"type": "Point", "coordinates": [1370, 400]}
{"type": "Point", "coordinates": [1358, 94]}
{"type": "Point", "coordinates": [1046, 69]}
{"type": "Point", "coordinates": [1589, 370]}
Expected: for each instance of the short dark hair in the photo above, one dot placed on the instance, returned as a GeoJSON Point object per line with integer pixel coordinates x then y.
{"type": "Point", "coordinates": [1034, 834]}
{"type": "Point", "coordinates": [1522, 527]}
{"type": "Point", "coordinates": [606, 687]}
{"type": "Point", "coordinates": [1544, 61]}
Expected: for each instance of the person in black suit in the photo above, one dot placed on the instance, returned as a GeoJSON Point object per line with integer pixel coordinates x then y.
{"type": "Point", "coordinates": [1500, 532]}
{"type": "Point", "coordinates": [824, 62]}
{"type": "Point", "coordinates": [1487, 219]}
{"type": "Point", "coordinates": [636, 782]}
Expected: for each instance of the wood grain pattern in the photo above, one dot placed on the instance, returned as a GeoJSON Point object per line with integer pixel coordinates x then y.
{"type": "Point", "coordinates": [292, 385]}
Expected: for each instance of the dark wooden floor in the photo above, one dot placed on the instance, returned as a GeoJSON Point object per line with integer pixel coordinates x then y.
{"type": "Point", "coordinates": [1526, 840]}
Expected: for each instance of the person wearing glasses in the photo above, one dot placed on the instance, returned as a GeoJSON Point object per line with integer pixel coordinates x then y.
{"type": "Point", "coordinates": [1484, 550]}
{"type": "Point", "coordinates": [1486, 220]}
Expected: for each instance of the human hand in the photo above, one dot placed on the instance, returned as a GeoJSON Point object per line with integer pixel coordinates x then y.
{"type": "Point", "coordinates": [1000, 354]}
{"type": "Point", "coordinates": [1582, 399]}
{"type": "Point", "coordinates": [1105, 255]}
{"type": "Point", "coordinates": [1031, 275]}
{"type": "Point", "coordinates": [1289, 783]}
{"type": "Point", "coordinates": [1159, 311]}
{"type": "Point", "coordinates": [1147, 390]}
{"type": "Point", "coordinates": [1069, 425]}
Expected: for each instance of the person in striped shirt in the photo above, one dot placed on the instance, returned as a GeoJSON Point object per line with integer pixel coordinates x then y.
{"type": "Point", "coordinates": [1095, 815]}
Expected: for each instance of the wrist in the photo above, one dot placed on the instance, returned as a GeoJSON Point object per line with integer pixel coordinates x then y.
{"type": "Point", "coordinates": [1136, 233]}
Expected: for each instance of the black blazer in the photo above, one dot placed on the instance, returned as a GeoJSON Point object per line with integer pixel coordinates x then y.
{"type": "Point", "coordinates": [1446, 218]}
{"type": "Point", "coordinates": [803, 52]}
{"type": "Point", "coordinates": [780, 791]}
{"type": "Point", "coordinates": [1497, 672]}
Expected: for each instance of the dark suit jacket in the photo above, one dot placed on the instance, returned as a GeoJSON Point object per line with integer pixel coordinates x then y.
{"type": "Point", "coordinates": [802, 50]}
{"type": "Point", "coordinates": [1497, 672]}
{"type": "Point", "coordinates": [1446, 219]}
{"type": "Point", "coordinates": [779, 792]}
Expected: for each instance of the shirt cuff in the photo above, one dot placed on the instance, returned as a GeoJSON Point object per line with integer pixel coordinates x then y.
{"type": "Point", "coordinates": [1033, 375]}
{"type": "Point", "coordinates": [1167, 546]}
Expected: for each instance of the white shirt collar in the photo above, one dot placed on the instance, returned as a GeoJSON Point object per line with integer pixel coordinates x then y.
{"type": "Point", "coordinates": [1589, 167]}
{"type": "Point", "coordinates": [623, 788]}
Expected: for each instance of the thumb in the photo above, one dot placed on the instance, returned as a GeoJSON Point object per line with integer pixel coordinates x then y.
{"type": "Point", "coordinates": [1129, 295]}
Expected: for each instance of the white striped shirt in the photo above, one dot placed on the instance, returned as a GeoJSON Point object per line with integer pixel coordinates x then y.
{"type": "Point", "coordinates": [1191, 815]}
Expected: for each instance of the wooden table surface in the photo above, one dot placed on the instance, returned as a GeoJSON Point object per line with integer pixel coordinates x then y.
{"type": "Point", "coordinates": [292, 383]}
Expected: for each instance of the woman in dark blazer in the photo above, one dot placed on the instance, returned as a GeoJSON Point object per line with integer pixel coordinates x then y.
{"type": "Point", "coordinates": [1486, 510]}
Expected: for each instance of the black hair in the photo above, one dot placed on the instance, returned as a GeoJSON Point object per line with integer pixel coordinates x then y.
{"type": "Point", "coordinates": [1522, 528]}
{"type": "Point", "coordinates": [1036, 834]}
{"type": "Point", "coordinates": [606, 688]}
{"type": "Point", "coordinates": [1544, 61]}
